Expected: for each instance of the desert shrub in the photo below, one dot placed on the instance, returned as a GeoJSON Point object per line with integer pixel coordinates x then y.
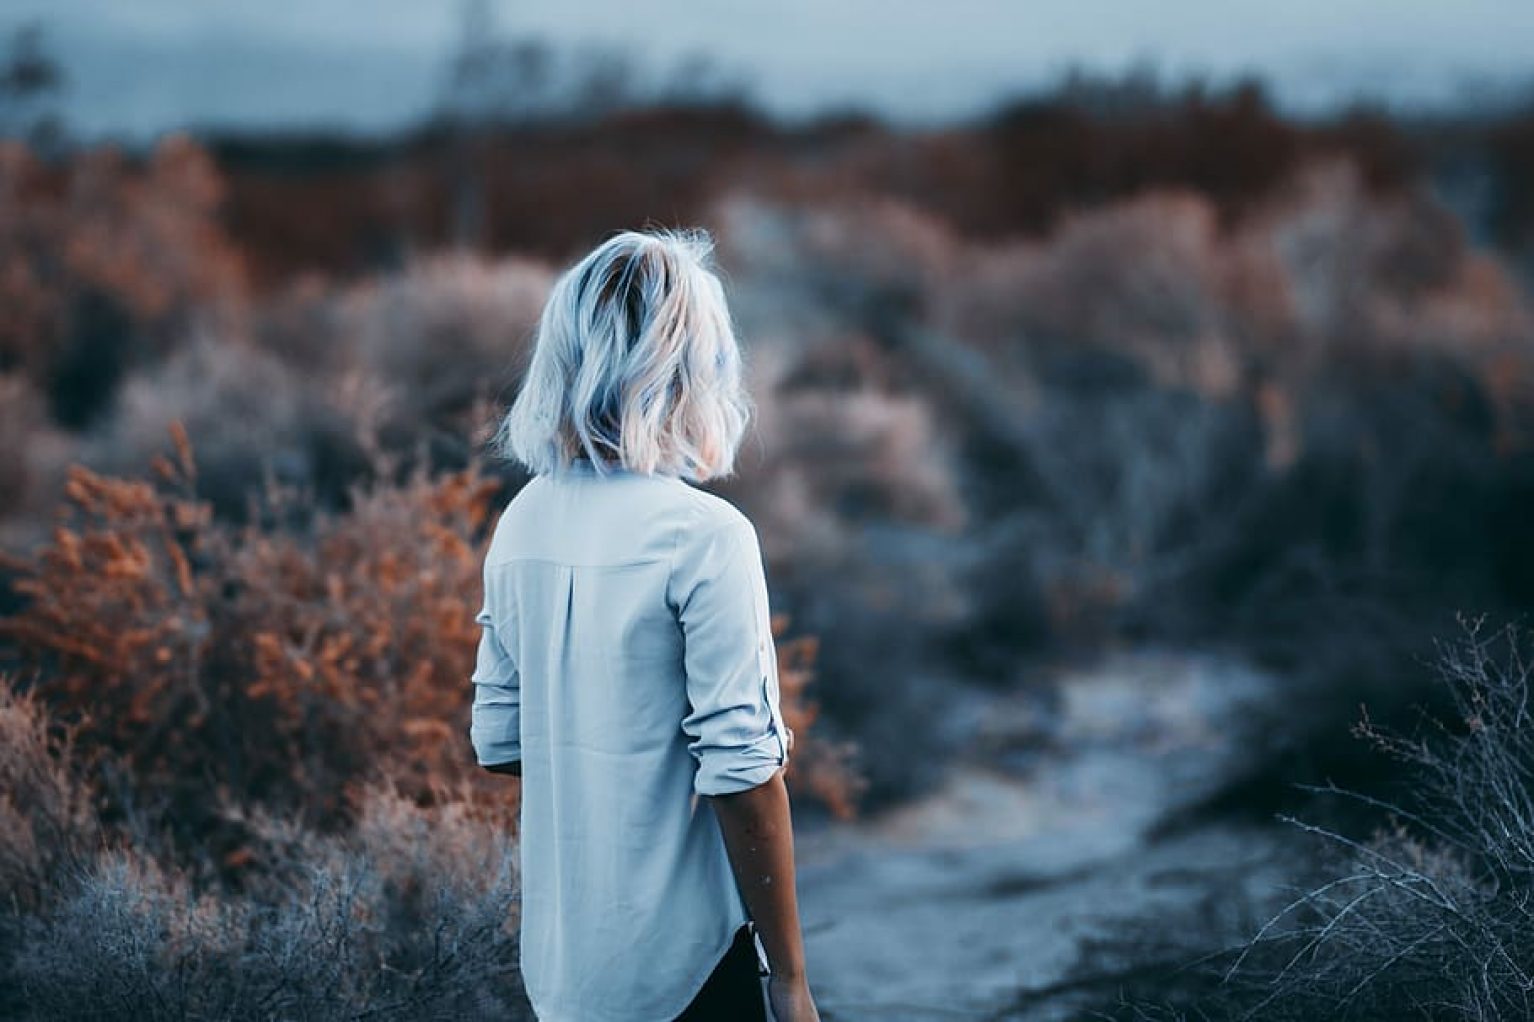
{"type": "Point", "coordinates": [832, 771]}
{"type": "Point", "coordinates": [1412, 904]}
{"type": "Point", "coordinates": [1072, 404]}
{"type": "Point", "coordinates": [849, 481]}
{"type": "Point", "coordinates": [850, 473]}
{"type": "Point", "coordinates": [274, 664]}
{"type": "Point", "coordinates": [48, 824]}
{"type": "Point", "coordinates": [435, 336]}
{"type": "Point", "coordinates": [403, 362]}
{"type": "Point", "coordinates": [1427, 915]}
{"type": "Point", "coordinates": [126, 939]}
{"type": "Point", "coordinates": [106, 260]}
{"type": "Point", "coordinates": [410, 914]}
{"type": "Point", "coordinates": [1121, 388]}
{"type": "Point", "coordinates": [252, 414]}
{"type": "Point", "coordinates": [1302, 430]}
{"type": "Point", "coordinates": [21, 415]}
{"type": "Point", "coordinates": [443, 328]}
{"type": "Point", "coordinates": [34, 469]}
{"type": "Point", "coordinates": [837, 444]}
{"type": "Point", "coordinates": [239, 783]}
{"type": "Point", "coordinates": [277, 663]}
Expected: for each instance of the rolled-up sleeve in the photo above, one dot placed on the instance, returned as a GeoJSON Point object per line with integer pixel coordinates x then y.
{"type": "Point", "coordinates": [496, 715]}
{"type": "Point", "coordinates": [719, 592]}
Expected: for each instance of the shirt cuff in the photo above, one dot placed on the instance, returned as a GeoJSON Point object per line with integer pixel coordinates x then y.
{"type": "Point", "coordinates": [494, 737]}
{"type": "Point", "coordinates": [726, 771]}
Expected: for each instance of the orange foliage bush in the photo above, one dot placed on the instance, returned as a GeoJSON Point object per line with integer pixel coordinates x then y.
{"type": "Point", "coordinates": [825, 769]}
{"type": "Point", "coordinates": [140, 240]}
{"type": "Point", "coordinates": [244, 664]}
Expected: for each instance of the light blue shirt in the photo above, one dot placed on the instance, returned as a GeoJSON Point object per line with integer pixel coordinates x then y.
{"type": "Point", "coordinates": [626, 658]}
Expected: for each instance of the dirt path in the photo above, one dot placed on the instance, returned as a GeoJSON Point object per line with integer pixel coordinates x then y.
{"type": "Point", "coordinates": [979, 901]}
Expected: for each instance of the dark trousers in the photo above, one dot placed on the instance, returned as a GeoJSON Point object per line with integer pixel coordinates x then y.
{"type": "Point", "coordinates": [733, 992]}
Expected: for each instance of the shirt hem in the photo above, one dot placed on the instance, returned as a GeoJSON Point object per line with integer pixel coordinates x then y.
{"type": "Point", "coordinates": [694, 987]}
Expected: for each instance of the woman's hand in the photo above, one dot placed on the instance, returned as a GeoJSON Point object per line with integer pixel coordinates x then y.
{"type": "Point", "coordinates": [790, 999]}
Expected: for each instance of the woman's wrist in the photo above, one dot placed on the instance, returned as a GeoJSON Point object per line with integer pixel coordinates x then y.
{"type": "Point", "coordinates": [791, 974]}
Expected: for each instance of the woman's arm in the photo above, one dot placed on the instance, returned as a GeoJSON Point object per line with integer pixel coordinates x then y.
{"type": "Point", "coordinates": [758, 834]}
{"type": "Point", "coordinates": [737, 734]}
{"type": "Point", "coordinates": [495, 719]}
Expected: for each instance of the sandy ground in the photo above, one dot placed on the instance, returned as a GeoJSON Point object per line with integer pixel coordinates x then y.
{"type": "Point", "coordinates": [981, 900]}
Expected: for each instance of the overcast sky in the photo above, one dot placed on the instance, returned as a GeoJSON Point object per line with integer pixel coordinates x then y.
{"type": "Point", "coordinates": [142, 66]}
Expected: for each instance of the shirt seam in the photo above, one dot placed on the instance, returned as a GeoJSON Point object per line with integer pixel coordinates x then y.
{"type": "Point", "coordinates": [676, 541]}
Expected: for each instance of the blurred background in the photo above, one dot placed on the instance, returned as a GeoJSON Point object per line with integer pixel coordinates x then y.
{"type": "Point", "coordinates": [1144, 463]}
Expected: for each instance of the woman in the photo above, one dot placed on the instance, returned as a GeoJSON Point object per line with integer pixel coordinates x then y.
{"type": "Point", "coordinates": [626, 663]}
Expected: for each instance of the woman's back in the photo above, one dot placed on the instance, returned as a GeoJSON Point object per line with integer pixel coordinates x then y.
{"type": "Point", "coordinates": [627, 662]}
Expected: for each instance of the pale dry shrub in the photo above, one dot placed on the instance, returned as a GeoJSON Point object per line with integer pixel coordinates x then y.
{"type": "Point", "coordinates": [445, 329]}
{"type": "Point", "coordinates": [823, 255]}
{"type": "Point", "coordinates": [851, 484]}
{"type": "Point", "coordinates": [1375, 285]}
{"type": "Point", "coordinates": [1336, 348]}
{"type": "Point", "coordinates": [48, 824]}
{"type": "Point", "coordinates": [1366, 269]}
{"type": "Point", "coordinates": [1134, 495]}
{"type": "Point", "coordinates": [1152, 278]}
{"type": "Point", "coordinates": [413, 913]}
{"type": "Point", "coordinates": [850, 472]}
{"type": "Point", "coordinates": [1127, 390]}
{"type": "Point", "coordinates": [1414, 903]}
{"type": "Point", "coordinates": [431, 339]}
{"type": "Point", "coordinates": [127, 938]}
{"type": "Point", "coordinates": [37, 456]}
{"type": "Point", "coordinates": [410, 915]}
{"type": "Point", "coordinates": [252, 414]}
{"type": "Point", "coordinates": [1429, 915]}
{"type": "Point", "coordinates": [1102, 361]}
{"type": "Point", "coordinates": [835, 446]}
{"type": "Point", "coordinates": [845, 433]}
{"type": "Point", "coordinates": [1325, 274]}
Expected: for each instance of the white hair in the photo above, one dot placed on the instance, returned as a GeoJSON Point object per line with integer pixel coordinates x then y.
{"type": "Point", "coordinates": [635, 362]}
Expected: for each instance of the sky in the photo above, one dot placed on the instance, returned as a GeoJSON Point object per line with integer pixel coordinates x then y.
{"type": "Point", "coordinates": [140, 67]}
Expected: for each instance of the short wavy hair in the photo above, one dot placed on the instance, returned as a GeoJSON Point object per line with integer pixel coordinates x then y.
{"type": "Point", "coordinates": [635, 363]}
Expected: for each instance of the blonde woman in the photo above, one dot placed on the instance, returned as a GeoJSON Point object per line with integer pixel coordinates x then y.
{"type": "Point", "coordinates": [626, 669]}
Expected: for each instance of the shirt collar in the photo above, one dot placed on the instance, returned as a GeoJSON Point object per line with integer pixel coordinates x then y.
{"type": "Point", "coordinates": [582, 465]}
